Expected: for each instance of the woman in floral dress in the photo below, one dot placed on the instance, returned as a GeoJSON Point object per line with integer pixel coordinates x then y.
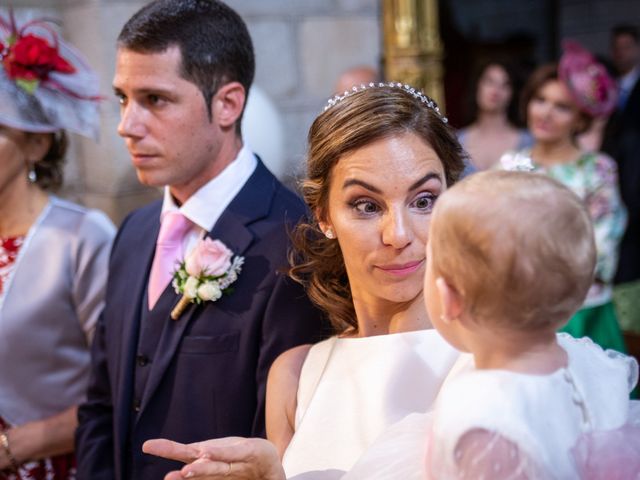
{"type": "Point", "coordinates": [53, 253]}
{"type": "Point", "coordinates": [560, 101]}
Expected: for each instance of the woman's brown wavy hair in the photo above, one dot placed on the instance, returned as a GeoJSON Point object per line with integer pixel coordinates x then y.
{"type": "Point", "coordinates": [49, 168]}
{"type": "Point", "coordinates": [354, 122]}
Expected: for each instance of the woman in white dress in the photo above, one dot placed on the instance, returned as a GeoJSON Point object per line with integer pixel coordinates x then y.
{"type": "Point", "coordinates": [379, 157]}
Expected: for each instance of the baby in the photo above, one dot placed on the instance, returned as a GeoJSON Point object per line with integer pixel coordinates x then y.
{"type": "Point", "coordinates": [511, 257]}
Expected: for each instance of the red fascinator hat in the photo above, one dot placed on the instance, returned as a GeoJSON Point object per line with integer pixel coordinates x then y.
{"type": "Point", "coordinates": [591, 87]}
{"type": "Point", "coordinates": [45, 84]}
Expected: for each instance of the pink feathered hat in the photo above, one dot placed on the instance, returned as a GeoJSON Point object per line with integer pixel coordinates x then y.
{"type": "Point", "coordinates": [591, 87]}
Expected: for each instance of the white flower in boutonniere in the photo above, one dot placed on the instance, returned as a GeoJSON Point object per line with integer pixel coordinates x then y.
{"type": "Point", "coordinates": [205, 275]}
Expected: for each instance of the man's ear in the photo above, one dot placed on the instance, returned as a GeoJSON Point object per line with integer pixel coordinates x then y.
{"type": "Point", "coordinates": [450, 300]}
{"type": "Point", "coordinates": [228, 104]}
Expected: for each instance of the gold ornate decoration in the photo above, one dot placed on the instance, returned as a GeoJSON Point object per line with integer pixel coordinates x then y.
{"type": "Point", "coordinates": [412, 46]}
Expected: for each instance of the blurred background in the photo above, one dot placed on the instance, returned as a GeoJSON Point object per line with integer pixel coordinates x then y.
{"type": "Point", "coordinates": [302, 48]}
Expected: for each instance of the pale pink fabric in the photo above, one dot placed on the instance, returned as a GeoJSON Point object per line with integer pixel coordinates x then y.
{"type": "Point", "coordinates": [168, 253]}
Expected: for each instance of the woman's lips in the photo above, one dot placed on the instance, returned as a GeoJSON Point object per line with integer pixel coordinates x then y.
{"type": "Point", "coordinates": [401, 269]}
{"type": "Point", "coordinates": [542, 126]}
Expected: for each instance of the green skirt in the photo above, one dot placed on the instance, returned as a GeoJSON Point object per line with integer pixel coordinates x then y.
{"type": "Point", "coordinates": [600, 324]}
{"type": "Point", "coordinates": [626, 298]}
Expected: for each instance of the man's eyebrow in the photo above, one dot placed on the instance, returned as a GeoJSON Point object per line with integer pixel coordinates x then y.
{"type": "Point", "coordinates": [146, 91]}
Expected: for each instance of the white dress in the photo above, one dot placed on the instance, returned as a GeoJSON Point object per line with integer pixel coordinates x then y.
{"type": "Point", "coordinates": [574, 423]}
{"type": "Point", "coordinates": [352, 389]}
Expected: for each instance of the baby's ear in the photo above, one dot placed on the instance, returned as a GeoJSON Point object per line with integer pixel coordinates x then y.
{"type": "Point", "coordinates": [450, 299]}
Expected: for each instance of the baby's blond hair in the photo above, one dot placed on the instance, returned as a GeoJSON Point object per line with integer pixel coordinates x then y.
{"type": "Point", "coordinates": [518, 246]}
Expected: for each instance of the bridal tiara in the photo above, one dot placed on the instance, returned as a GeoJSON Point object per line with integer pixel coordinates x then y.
{"type": "Point", "coordinates": [428, 101]}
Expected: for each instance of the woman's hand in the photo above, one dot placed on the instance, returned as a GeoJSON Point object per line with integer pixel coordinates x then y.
{"type": "Point", "coordinates": [229, 458]}
{"type": "Point", "coordinates": [43, 438]}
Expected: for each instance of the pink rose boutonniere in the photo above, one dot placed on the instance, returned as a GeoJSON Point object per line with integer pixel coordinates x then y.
{"type": "Point", "coordinates": [205, 274]}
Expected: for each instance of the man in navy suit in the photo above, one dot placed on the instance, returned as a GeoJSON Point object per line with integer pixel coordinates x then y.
{"type": "Point", "coordinates": [622, 141]}
{"type": "Point", "coordinates": [183, 71]}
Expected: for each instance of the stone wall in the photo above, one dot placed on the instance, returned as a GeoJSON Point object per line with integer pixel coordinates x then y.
{"type": "Point", "coordinates": [301, 48]}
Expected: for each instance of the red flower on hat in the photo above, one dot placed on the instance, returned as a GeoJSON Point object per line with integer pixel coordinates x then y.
{"type": "Point", "coordinates": [32, 58]}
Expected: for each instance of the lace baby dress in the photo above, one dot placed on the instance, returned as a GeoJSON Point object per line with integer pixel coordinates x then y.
{"type": "Point", "coordinates": [501, 424]}
{"type": "Point", "coordinates": [576, 423]}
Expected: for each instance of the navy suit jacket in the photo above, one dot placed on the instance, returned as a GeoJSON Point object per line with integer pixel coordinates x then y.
{"type": "Point", "coordinates": [622, 141]}
{"type": "Point", "coordinates": [208, 375]}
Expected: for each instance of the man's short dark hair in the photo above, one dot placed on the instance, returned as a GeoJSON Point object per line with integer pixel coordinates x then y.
{"type": "Point", "coordinates": [626, 29]}
{"type": "Point", "coordinates": [213, 39]}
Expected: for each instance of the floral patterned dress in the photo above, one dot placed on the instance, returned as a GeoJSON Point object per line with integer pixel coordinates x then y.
{"type": "Point", "coordinates": [61, 467]}
{"type": "Point", "coordinates": [594, 178]}
{"type": "Point", "coordinates": [9, 247]}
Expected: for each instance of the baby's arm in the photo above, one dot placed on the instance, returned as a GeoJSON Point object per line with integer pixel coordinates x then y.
{"type": "Point", "coordinates": [480, 453]}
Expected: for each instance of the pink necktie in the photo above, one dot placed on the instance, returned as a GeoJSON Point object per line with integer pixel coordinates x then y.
{"type": "Point", "coordinates": [168, 253]}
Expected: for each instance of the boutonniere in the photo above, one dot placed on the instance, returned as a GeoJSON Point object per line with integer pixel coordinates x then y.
{"type": "Point", "coordinates": [205, 275]}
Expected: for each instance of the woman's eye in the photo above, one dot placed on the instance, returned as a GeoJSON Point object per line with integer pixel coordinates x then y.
{"type": "Point", "coordinates": [365, 207]}
{"type": "Point", "coordinates": [424, 202]}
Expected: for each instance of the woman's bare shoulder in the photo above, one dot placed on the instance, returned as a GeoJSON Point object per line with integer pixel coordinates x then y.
{"type": "Point", "coordinates": [282, 389]}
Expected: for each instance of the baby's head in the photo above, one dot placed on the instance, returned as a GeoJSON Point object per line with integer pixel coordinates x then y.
{"type": "Point", "coordinates": [517, 248]}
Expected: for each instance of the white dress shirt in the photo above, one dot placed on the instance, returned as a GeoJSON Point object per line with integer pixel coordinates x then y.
{"type": "Point", "coordinates": [206, 205]}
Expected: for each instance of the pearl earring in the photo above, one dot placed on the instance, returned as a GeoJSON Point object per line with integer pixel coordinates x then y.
{"type": "Point", "coordinates": [32, 176]}
{"type": "Point", "coordinates": [329, 234]}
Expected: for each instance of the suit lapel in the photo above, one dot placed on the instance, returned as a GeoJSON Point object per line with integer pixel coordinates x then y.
{"type": "Point", "coordinates": [252, 203]}
{"type": "Point", "coordinates": [136, 273]}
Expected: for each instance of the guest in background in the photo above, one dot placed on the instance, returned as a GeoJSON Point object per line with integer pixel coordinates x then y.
{"type": "Point", "coordinates": [53, 253]}
{"type": "Point", "coordinates": [622, 142]}
{"type": "Point", "coordinates": [363, 74]}
{"type": "Point", "coordinates": [560, 101]}
{"type": "Point", "coordinates": [493, 129]}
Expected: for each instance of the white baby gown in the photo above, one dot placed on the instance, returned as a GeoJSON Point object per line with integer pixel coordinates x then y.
{"type": "Point", "coordinates": [574, 423]}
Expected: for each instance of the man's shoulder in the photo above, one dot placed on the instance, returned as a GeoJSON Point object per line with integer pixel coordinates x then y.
{"type": "Point", "coordinates": [146, 212]}
{"type": "Point", "coordinates": [268, 188]}
{"type": "Point", "coordinates": [137, 223]}
{"type": "Point", "coordinates": [288, 200]}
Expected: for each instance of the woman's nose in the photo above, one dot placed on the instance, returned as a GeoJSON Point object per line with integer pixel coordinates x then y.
{"type": "Point", "coordinates": [396, 230]}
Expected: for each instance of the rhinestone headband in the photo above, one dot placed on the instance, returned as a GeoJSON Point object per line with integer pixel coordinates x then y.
{"type": "Point", "coordinates": [407, 88]}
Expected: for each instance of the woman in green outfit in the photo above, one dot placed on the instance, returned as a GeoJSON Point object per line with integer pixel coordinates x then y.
{"type": "Point", "coordinates": [560, 101]}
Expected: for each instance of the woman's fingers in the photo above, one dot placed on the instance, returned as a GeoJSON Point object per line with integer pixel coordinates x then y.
{"type": "Point", "coordinates": [171, 450]}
